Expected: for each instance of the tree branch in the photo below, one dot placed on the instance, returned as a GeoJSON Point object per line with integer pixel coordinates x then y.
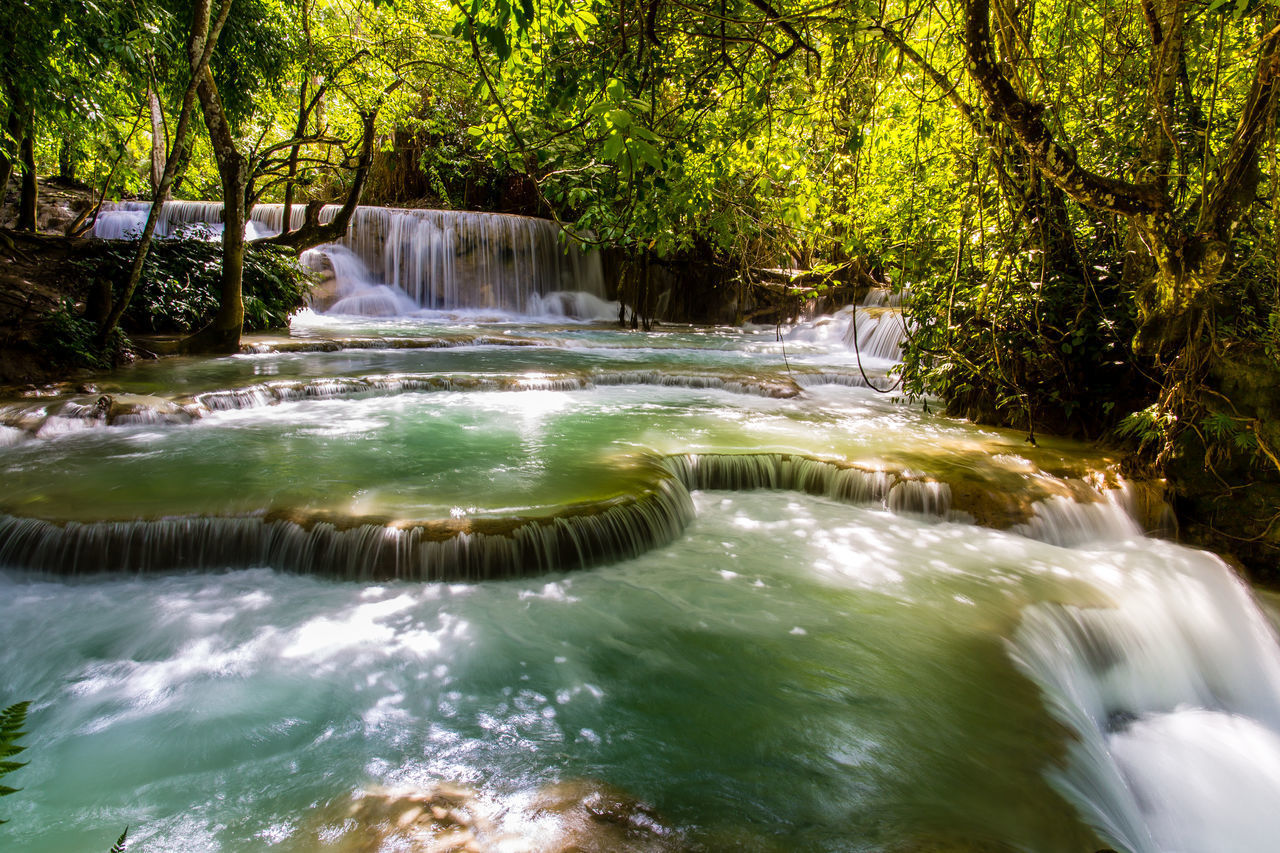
{"type": "Point", "coordinates": [1022, 118]}
{"type": "Point", "coordinates": [1238, 175]}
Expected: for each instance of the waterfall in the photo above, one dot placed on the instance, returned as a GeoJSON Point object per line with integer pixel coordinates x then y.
{"type": "Point", "coordinates": [353, 289]}
{"type": "Point", "coordinates": [351, 547]}
{"type": "Point", "coordinates": [877, 334]}
{"type": "Point", "coordinates": [580, 536]}
{"type": "Point", "coordinates": [451, 260]}
{"type": "Point", "coordinates": [1062, 521]}
{"type": "Point", "coordinates": [884, 297]}
{"type": "Point", "coordinates": [416, 259]}
{"type": "Point", "coordinates": [876, 331]}
{"type": "Point", "coordinates": [898, 492]}
{"type": "Point", "coordinates": [1172, 694]}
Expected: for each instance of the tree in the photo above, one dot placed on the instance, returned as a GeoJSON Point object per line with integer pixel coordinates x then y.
{"type": "Point", "coordinates": [1191, 243]}
{"type": "Point", "coordinates": [201, 42]}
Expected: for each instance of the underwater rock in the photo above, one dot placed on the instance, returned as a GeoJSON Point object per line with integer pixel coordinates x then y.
{"type": "Point", "coordinates": [577, 815]}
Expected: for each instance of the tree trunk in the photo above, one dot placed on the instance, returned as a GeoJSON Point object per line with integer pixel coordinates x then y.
{"type": "Point", "coordinates": [29, 202]}
{"type": "Point", "coordinates": [159, 141]}
{"type": "Point", "coordinates": [201, 42]}
{"type": "Point", "coordinates": [67, 160]}
{"type": "Point", "coordinates": [222, 335]}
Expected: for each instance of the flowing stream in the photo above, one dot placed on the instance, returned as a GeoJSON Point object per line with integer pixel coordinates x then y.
{"type": "Point", "coordinates": [481, 573]}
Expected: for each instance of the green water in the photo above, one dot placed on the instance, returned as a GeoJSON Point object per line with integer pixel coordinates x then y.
{"type": "Point", "coordinates": [790, 673]}
{"type": "Point", "coordinates": [793, 674]}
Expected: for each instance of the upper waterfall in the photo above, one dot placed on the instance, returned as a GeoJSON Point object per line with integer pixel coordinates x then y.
{"type": "Point", "coordinates": [434, 259]}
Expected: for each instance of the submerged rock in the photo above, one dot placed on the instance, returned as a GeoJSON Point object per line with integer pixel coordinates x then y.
{"type": "Point", "coordinates": [578, 815]}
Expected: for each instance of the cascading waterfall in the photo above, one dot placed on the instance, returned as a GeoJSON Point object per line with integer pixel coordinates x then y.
{"type": "Point", "coordinates": [193, 219]}
{"type": "Point", "coordinates": [816, 477]}
{"type": "Point", "coordinates": [876, 329]}
{"type": "Point", "coordinates": [575, 537]}
{"type": "Point", "coordinates": [581, 537]}
{"type": "Point", "coordinates": [879, 335]}
{"type": "Point", "coordinates": [393, 261]}
{"type": "Point", "coordinates": [1172, 692]}
{"type": "Point", "coordinates": [446, 259]}
{"type": "Point", "coordinates": [885, 297]}
{"type": "Point", "coordinates": [354, 291]}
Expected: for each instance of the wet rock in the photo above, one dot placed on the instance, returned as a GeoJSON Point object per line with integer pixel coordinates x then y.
{"type": "Point", "coordinates": [142, 409]}
{"type": "Point", "coordinates": [597, 818]}
{"type": "Point", "coordinates": [582, 816]}
{"type": "Point", "coordinates": [1119, 720]}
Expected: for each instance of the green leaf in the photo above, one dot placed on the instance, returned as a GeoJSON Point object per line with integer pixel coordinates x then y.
{"type": "Point", "coordinates": [613, 147]}
{"type": "Point", "coordinates": [524, 14]}
{"type": "Point", "coordinates": [646, 153]}
{"type": "Point", "coordinates": [496, 38]}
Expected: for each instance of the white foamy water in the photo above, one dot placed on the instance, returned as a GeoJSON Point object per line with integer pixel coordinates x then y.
{"type": "Point", "coordinates": [1172, 687]}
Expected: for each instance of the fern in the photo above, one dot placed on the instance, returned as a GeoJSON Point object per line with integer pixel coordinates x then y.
{"type": "Point", "coordinates": [119, 846]}
{"type": "Point", "coordinates": [12, 719]}
{"type": "Point", "coordinates": [1147, 426]}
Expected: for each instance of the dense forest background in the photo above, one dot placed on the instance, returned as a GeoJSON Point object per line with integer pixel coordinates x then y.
{"type": "Point", "coordinates": [1080, 198]}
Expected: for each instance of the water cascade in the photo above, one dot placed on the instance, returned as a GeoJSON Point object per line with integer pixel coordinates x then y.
{"type": "Point", "coordinates": [875, 330]}
{"type": "Point", "coordinates": [392, 580]}
{"type": "Point", "coordinates": [394, 261]}
{"type": "Point", "coordinates": [1172, 691]}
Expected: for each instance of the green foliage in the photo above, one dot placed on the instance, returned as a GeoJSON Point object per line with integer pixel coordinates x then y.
{"type": "Point", "coordinates": [1149, 427]}
{"type": "Point", "coordinates": [178, 293]}
{"type": "Point", "coordinates": [1048, 355]}
{"type": "Point", "coordinates": [69, 339]}
{"type": "Point", "coordinates": [746, 135]}
{"type": "Point", "coordinates": [120, 845]}
{"type": "Point", "coordinates": [1235, 433]}
{"type": "Point", "coordinates": [12, 719]}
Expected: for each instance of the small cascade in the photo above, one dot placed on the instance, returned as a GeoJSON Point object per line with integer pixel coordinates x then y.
{"type": "Point", "coordinates": [356, 548]}
{"type": "Point", "coordinates": [1069, 523]}
{"type": "Point", "coordinates": [778, 389]}
{"type": "Point", "coordinates": [874, 332]}
{"type": "Point", "coordinates": [827, 377]}
{"type": "Point", "coordinates": [877, 335]}
{"type": "Point", "coordinates": [349, 288]}
{"type": "Point", "coordinates": [580, 536]}
{"type": "Point", "coordinates": [191, 219]}
{"type": "Point", "coordinates": [49, 421]}
{"type": "Point", "coordinates": [826, 329]}
{"type": "Point", "coordinates": [884, 297]}
{"type": "Point", "coordinates": [738, 472]}
{"type": "Point", "coordinates": [1173, 696]}
{"type": "Point", "coordinates": [878, 327]}
{"type": "Point", "coordinates": [117, 224]}
{"type": "Point", "coordinates": [438, 259]}
{"type": "Point", "coordinates": [572, 305]}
